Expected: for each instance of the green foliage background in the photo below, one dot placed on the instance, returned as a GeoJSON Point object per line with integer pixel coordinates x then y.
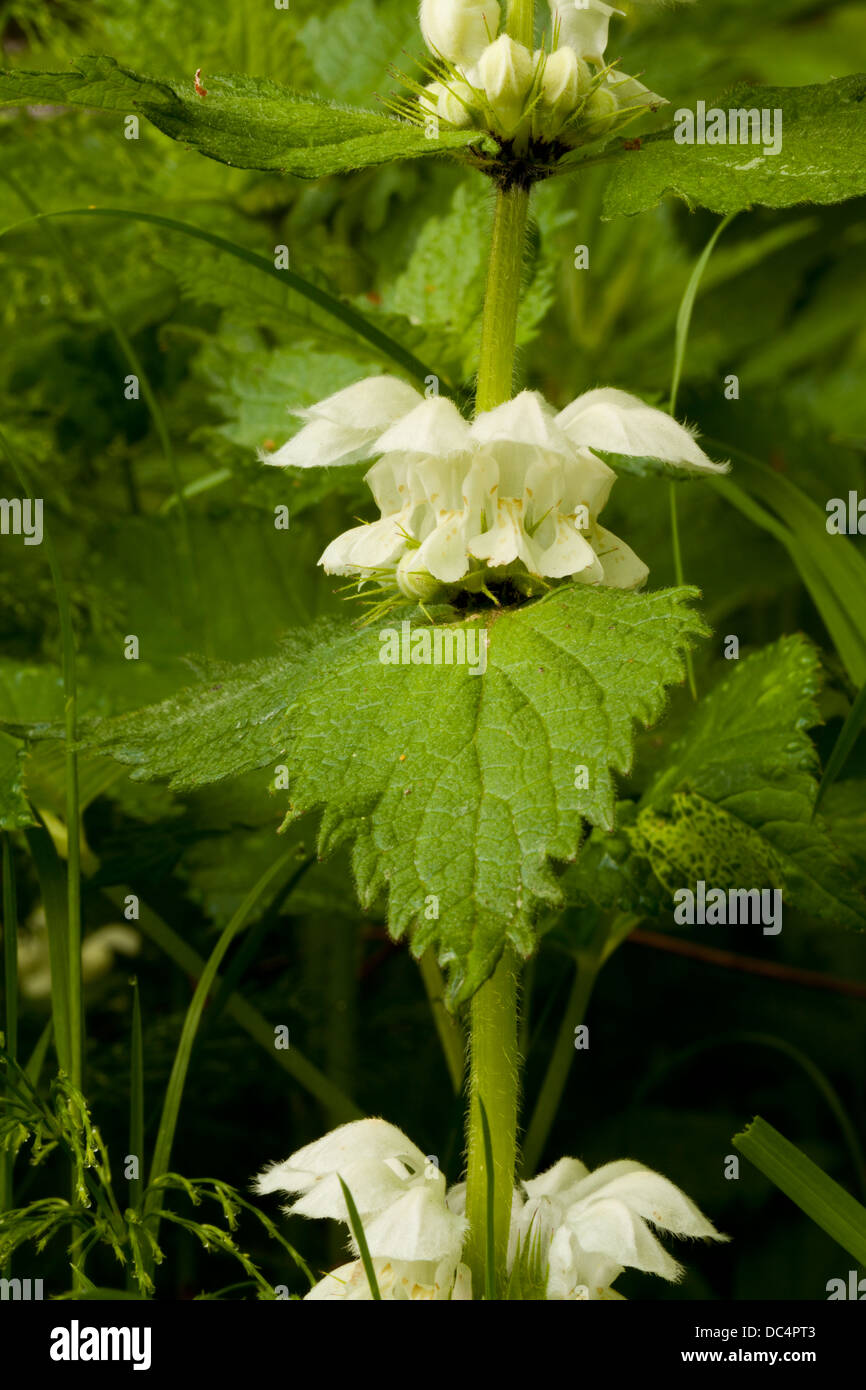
{"type": "Point", "coordinates": [682, 1050]}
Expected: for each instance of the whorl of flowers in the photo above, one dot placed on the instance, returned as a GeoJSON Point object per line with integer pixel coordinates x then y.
{"type": "Point", "coordinates": [513, 495]}
{"type": "Point", "coordinates": [581, 1230]}
{"type": "Point", "coordinates": [564, 93]}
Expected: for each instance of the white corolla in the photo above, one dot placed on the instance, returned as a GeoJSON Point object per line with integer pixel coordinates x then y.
{"type": "Point", "coordinates": [585, 1228]}
{"type": "Point", "coordinates": [516, 493]}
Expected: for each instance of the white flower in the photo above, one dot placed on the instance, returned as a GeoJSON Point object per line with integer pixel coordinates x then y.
{"type": "Point", "coordinates": [516, 493]}
{"type": "Point", "coordinates": [585, 1227]}
{"type": "Point", "coordinates": [399, 1194]}
{"type": "Point", "coordinates": [459, 30]}
{"type": "Point", "coordinates": [398, 1280]}
{"type": "Point", "coordinates": [594, 1225]}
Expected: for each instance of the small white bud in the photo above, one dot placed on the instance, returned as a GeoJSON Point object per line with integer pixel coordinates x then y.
{"type": "Point", "coordinates": [442, 101]}
{"type": "Point", "coordinates": [505, 71]}
{"type": "Point", "coordinates": [564, 78]}
{"type": "Point", "coordinates": [415, 582]}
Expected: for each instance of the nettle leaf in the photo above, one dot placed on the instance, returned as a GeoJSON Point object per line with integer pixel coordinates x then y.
{"type": "Point", "coordinates": [456, 791]}
{"type": "Point", "coordinates": [734, 804]}
{"type": "Point", "coordinates": [250, 122]}
{"type": "Point", "coordinates": [821, 159]}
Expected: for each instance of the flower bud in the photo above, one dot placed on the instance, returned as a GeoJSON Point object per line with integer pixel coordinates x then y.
{"type": "Point", "coordinates": [601, 107]}
{"type": "Point", "coordinates": [564, 77]}
{"type": "Point", "coordinates": [441, 100]}
{"type": "Point", "coordinates": [415, 582]}
{"type": "Point", "coordinates": [505, 71]}
{"type": "Point", "coordinates": [459, 30]}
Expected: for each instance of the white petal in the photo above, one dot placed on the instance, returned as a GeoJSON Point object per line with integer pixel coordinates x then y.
{"type": "Point", "coordinates": [622, 568]}
{"type": "Point", "coordinates": [619, 423]}
{"type": "Point", "coordinates": [527, 419]}
{"type": "Point", "coordinates": [359, 1139]}
{"type": "Point", "coordinates": [434, 427]}
{"type": "Point", "coordinates": [558, 1179]}
{"type": "Point", "coordinates": [418, 1226]}
{"type": "Point", "coordinates": [371, 1182]}
{"type": "Point", "coordinates": [569, 553]}
{"type": "Point", "coordinates": [321, 444]}
{"type": "Point", "coordinates": [343, 428]}
{"type": "Point", "coordinates": [459, 29]}
{"type": "Point", "coordinates": [443, 554]}
{"type": "Point", "coordinates": [611, 1229]}
{"type": "Point", "coordinates": [337, 1284]}
{"type": "Point", "coordinates": [371, 404]}
{"type": "Point", "coordinates": [374, 546]}
{"type": "Point", "coordinates": [658, 1200]}
{"type": "Point", "coordinates": [583, 27]}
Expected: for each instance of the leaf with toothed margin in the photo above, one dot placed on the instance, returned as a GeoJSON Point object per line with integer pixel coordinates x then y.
{"type": "Point", "coordinates": [455, 790]}
{"type": "Point", "coordinates": [248, 122]}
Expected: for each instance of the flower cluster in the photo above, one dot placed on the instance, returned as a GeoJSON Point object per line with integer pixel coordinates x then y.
{"type": "Point", "coordinates": [585, 1227]}
{"type": "Point", "coordinates": [566, 94]}
{"type": "Point", "coordinates": [515, 494]}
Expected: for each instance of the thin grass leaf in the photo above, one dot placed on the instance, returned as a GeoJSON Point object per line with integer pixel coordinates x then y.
{"type": "Point", "coordinates": [136, 1097]}
{"type": "Point", "coordinates": [822, 1199]}
{"type": "Point", "coordinates": [490, 1195]}
{"type": "Point", "coordinates": [52, 887]}
{"type": "Point", "coordinates": [177, 1080]}
{"type": "Point", "coordinates": [684, 319]}
{"type": "Point", "coordinates": [287, 278]}
{"type": "Point", "coordinates": [250, 1019]}
{"type": "Point", "coordinates": [361, 1241]}
{"type": "Point", "coordinates": [848, 735]}
{"type": "Point", "coordinates": [832, 569]}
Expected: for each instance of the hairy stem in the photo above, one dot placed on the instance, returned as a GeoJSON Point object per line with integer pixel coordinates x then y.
{"type": "Point", "coordinates": [493, 1078]}
{"type": "Point", "coordinates": [502, 298]}
{"type": "Point", "coordinates": [520, 21]}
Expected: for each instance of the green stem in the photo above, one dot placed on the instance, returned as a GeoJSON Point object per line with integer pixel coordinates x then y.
{"type": "Point", "coordinates": [502, 298]}
{"type": "Point", "coordinates": [493, 1048]}
{"type": "Point", "coordinates": [521, 21]}
{"type": "Point", "coordinates": [493, 1078]}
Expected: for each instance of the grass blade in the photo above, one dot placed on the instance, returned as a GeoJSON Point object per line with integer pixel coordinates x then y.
{"type": "Point", "coordinates": [136, 1097]}
{"type": "Point", "coordinates": [822, 1199]}
{"type": "Point", "coordinates": [177, 1080]}
{"type": "Point", "coordinates": [52, 886]}
{"type": "Point", "coordinates": [250, 1019]}
{"type": "Point", "coordinates": [831, 568]}
{"type": "Point", "coordinates": [361, 1242]}
{"type": "Point", "coordinates": [314, 293]}
{"type": "Point", "coordinates": [10, 996]}
{"type": "Point", "coordinates": [681, 337]}
{"type": "Point", "coordinates": [848, 736]}
{"type": "Point", "coordinates": [490, 1194]}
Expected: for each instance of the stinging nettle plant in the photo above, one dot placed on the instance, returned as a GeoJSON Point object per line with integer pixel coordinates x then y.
{"type": "Point", "coordinates": [484, 809]}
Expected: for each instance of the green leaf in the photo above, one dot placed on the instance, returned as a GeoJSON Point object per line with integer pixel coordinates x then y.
{"type": "Point", "coordinates": [740, 787]}
{"type": "Point", "coordinates": [249, 122]}
{"type": "Point", "coordinates": [821, 161]}
{"type": "Point", "coordinates": [449, 786]}
{"type": "Point", "coordinates": [822, 1199]}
